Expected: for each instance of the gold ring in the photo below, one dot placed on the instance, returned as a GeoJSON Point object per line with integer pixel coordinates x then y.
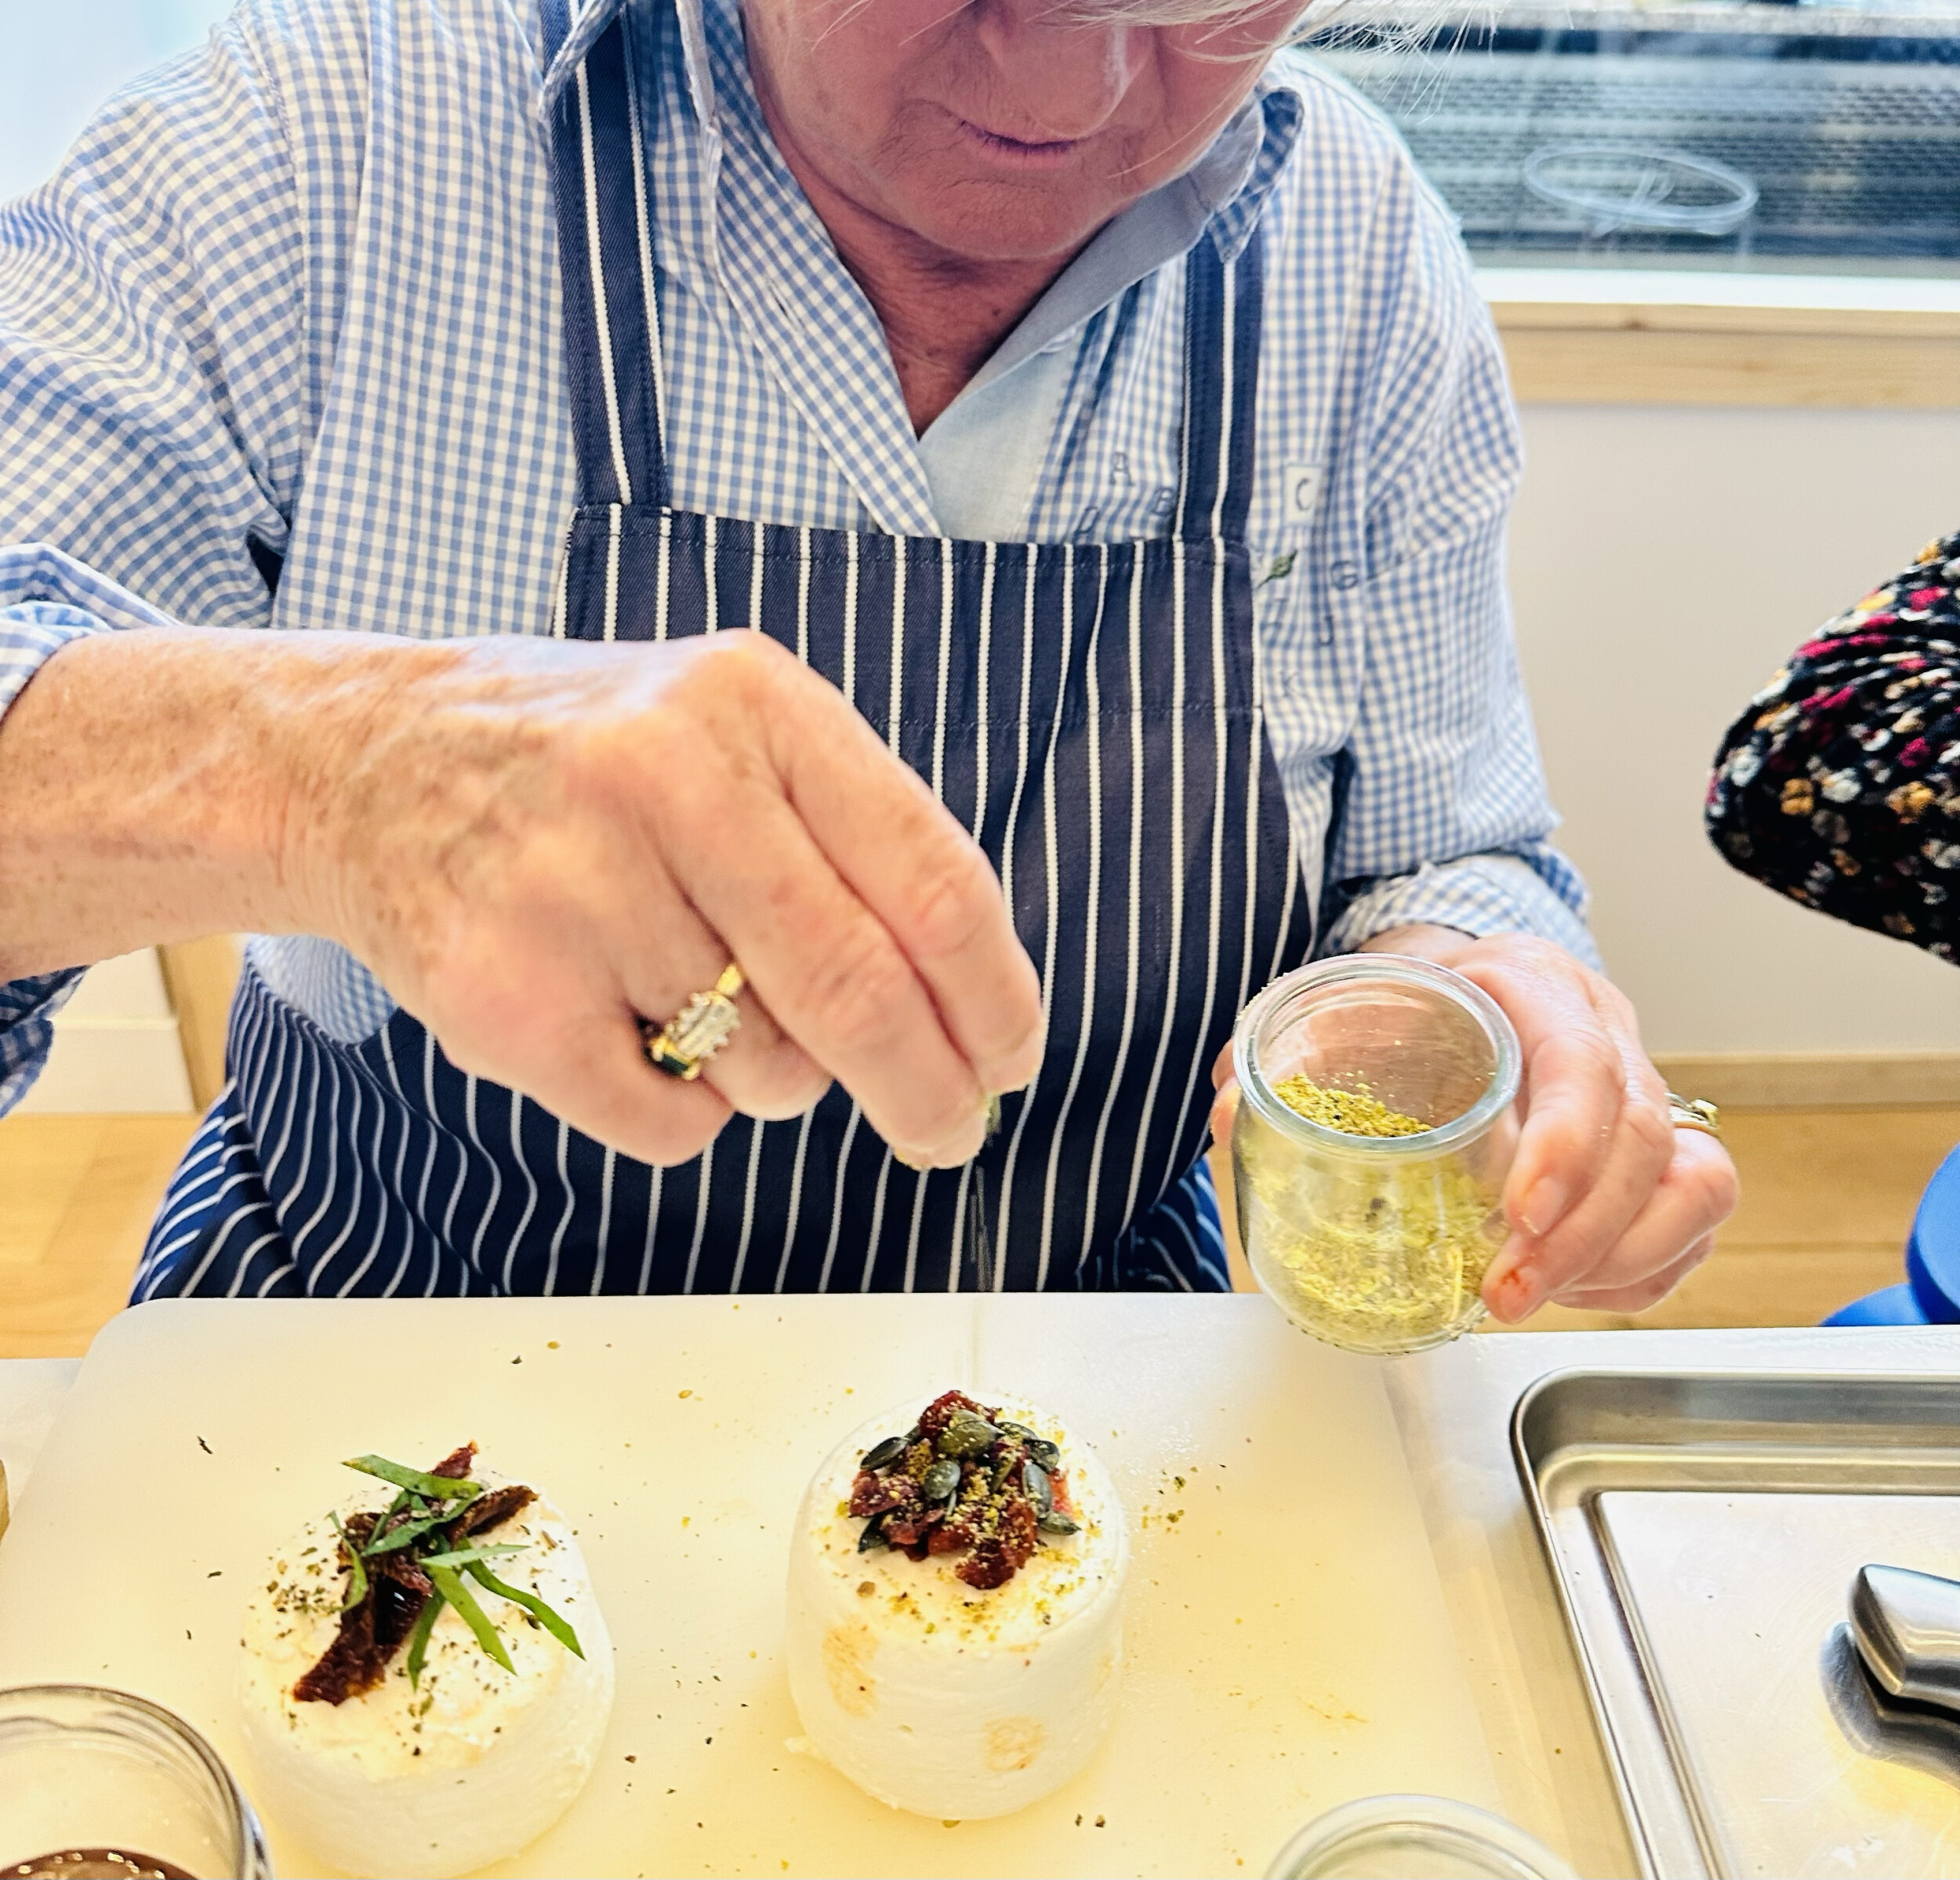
{"type": "Point", "coordinates": [1694, 1113]}
{"type": "Point", "coordinates": [705, 1023]}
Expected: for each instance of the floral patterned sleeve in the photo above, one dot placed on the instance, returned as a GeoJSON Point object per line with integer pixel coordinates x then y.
{"type": "Point", "coordinates": [1840, 784]}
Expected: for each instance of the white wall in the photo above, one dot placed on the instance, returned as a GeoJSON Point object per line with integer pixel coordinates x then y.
{"type": "Point", "coordinates": [62, 59]}
{"type": "Point", "coordinates": [1664, 562]}
{"type": "Point", "coordinates": [116, 1045]}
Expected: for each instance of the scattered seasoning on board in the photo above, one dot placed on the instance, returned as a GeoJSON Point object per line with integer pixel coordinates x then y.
{"type": "Point", "coordinates": [963, 1479]}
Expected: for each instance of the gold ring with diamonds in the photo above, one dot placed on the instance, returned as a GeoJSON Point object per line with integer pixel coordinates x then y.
{"type": "Point", "coordinates": [705, 1023]}
{"type": "Point", "coordinates": [1694, 1113]}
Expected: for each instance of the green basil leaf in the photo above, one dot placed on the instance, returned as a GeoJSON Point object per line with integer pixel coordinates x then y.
{"type": "Point", "coordinates": [357, 1573]}
{"type": "Point", "coordinates": [462, 1556]}
{"type": "Point", "coordinates": [533, 1605]}
{"type": "Point", "coordinates": [449, 1584]}
{"type": "Point", "coordinates": [418, 1639]}
{"type": "Point", "coordinates": [437, 1488]}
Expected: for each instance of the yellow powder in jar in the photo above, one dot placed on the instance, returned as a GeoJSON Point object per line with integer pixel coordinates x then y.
{"type": "Point", "coordinates": [1352, 1112]}
{"type": "Point", "coordinates": [1374, 1257]}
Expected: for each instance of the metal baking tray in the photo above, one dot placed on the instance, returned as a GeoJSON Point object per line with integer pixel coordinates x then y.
{"type": "Point", "coordinates": [1703, 1530]}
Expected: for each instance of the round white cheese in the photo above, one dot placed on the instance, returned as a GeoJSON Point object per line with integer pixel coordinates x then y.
{"type": "Point", "coordinates": [938, 1697]}
{"type": "Point", "coordinates": [467, 1767]}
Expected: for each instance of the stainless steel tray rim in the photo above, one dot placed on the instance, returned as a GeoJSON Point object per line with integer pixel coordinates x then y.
{"type": "Point", "coordinates": [1581, 1432]}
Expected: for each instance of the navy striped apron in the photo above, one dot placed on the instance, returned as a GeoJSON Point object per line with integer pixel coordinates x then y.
{"type": "Point", "coordinates": [1091, 713]}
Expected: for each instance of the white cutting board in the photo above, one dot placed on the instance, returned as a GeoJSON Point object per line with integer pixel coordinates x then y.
{"type": "Point", "coordinates": [1288, 1647]}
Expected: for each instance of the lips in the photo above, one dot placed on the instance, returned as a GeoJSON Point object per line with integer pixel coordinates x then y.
{"type": "Point", "coordinates": [1020, 151]}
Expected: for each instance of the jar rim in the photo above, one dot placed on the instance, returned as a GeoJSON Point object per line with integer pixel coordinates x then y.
{"type": "Point", "coordinates": [1401, 969]}
{"type": "Point", "coordinates": [1374, 1822]}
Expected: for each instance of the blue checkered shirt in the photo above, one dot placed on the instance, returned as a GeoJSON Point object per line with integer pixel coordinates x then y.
{"type": "Point", "coordinates": [300, 289]}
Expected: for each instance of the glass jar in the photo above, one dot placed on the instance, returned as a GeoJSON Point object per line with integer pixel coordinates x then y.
{"type": "Point", "coordinates": [1375, 1244]}
{"type": "Point", "coordinates": [1414, 1838]}
{"type": "Point", "coordinates": [84, 1771]}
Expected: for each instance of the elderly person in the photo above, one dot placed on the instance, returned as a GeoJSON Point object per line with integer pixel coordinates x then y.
{"type": "Point", "coordinates": [1093, 417]}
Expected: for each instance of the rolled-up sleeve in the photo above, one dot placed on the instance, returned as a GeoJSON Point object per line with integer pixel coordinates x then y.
{"type": "Point", "coordinates": [1442, 815]}
{"type": "Point", "coordinates": [153, 394]}
{"type": "Point", "coordinates": [30, 635]}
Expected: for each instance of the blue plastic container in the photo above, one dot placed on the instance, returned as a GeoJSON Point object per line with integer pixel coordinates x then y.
{"type": "Point", "coordinates": [1931, 1294]}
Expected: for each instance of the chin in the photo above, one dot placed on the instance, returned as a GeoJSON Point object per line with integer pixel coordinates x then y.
{"type": "Point", "coordinates": [995, 221]}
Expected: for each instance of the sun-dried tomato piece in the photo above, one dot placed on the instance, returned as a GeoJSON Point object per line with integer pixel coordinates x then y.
{"type": "Point", "coordinates": [938, 1412]}
{"type": "Point", "coordinates": [490, 1511]}
{"type": "Point", "coordinates": [1001, 1555]}
{"type": "Point", "coordinates": [455, 1465]}
{"type": "Point", "coordinates": [872, 1494]}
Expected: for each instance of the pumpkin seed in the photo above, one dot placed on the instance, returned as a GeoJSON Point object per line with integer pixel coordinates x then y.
{"type": "Point", "coordinates": [1041, 1489]}
{"type": "Point", "coordinates": [1044, 1452]}
{"type": "Point", "coordinates": [1054, 1521]}
{"type": "Point", "coordinates": [874, 1535]}
{"type": "Point", "coordinates": [942, 1481]}
{"type": "Point", "coordinates": [884, 1454]}
{"type": "Point", "coordinates": [966, 1434]}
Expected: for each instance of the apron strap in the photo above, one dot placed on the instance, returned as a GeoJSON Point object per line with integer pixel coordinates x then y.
{"type": "Point", "coordinates": [605, 253]}
{"type": "Point", "coordinates": [557, 18]}
{"type": "Point", "coordinates": [1223, 303]}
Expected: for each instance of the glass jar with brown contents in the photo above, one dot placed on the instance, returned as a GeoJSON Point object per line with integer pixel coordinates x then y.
{"type": "Point", "coordinates": [100, 1782]}
{"type": "Point", "coordinates": [1376, 1122]}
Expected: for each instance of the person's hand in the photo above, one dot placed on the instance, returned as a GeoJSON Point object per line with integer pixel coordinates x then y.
{"type": "Point", "coordinates": [535, 845]}
{"type": "Point", "coordinates": [1610, 1206]}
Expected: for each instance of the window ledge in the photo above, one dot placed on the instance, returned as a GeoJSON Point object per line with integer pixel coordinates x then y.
{"type": "Point", "coordinates": [1634, 337]}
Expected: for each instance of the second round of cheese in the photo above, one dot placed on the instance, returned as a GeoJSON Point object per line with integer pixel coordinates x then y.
{"type": "Point", "coordinates": [933, 1695]}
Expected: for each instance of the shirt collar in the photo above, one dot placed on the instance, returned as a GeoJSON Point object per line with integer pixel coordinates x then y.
{"type": "Point", "coordinates": [590, 18]}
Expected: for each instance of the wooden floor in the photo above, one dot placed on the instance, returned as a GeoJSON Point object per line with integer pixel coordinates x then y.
{"type": "Point", "coordinates": [77, 1194]}
{"type": "Point", "coordinates": [1828, 1196]}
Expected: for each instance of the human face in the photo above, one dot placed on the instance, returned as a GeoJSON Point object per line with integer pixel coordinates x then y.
{"type": "Point", "coordinates": [996, 130]}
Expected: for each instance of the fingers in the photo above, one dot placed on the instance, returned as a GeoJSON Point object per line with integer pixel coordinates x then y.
{"type": "Point", "coordinates": [1650, 1291]}
{"type": "Point", "coordinates": [839, 986]}
{"type": "Point", "coordinates": [672, 955]}
{"type": "Point", "coordinates": [578, 1052]}
{"type": "Point", "coordinates": [870, 925]}
{"type": "Point", "coordinates": [1671, 1233]}
{"type": "Point", "coordinates": [1695, 1195]}
{"type": "Point", "coordinates": [1221, 1067]}
{"type": "Point", "coordinates": [613, 1094]}
{"type": "Point", "coordinates": [927, 881]}
{"type": "Point", "coordinates": [1579, 1073]}
{"type": "Point", "coordinates": [1596, 1137]}
{"type": "Point", "coordinates": [1224, 1110]}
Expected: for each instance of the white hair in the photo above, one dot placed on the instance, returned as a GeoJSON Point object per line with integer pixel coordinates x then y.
{"type": "Point", "coordinates": [1406, 26]}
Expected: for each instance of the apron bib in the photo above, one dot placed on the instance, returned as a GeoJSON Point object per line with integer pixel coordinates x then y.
{"type": "Point", "coordinates": [1091, 712]}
